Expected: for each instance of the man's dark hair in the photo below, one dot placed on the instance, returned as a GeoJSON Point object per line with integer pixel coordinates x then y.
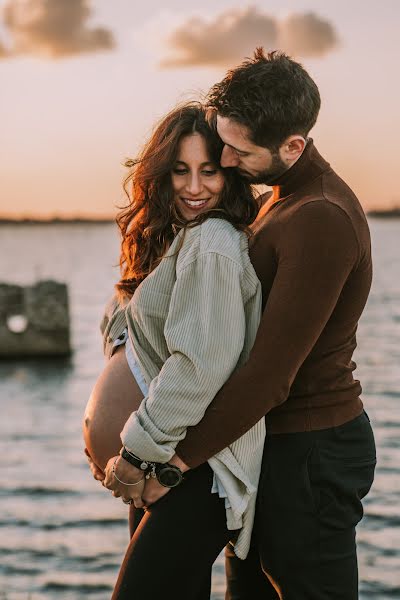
{"type": "Point", "coordinates": [272, 95]}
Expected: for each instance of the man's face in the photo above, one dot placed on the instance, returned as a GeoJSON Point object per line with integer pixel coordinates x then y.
{"type": "Point", "coordinates": [256, 163]}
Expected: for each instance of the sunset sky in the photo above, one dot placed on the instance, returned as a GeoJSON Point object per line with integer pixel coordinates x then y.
{"type": "Point", "coordinates": [82, 83]}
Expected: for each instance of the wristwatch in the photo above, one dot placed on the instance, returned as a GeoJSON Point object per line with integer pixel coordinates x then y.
{"type": "Point", "coordinates": [168, 475]}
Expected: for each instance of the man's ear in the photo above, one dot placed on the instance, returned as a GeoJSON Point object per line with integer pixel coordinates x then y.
{"type": "Point", "coordinates": [292, 148]}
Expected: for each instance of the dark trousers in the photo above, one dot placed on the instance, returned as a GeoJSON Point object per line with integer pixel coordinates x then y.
{"type": "Point", "coordinates": [309, 503]}
{"type": "Point", "coordinates": [175, 543]}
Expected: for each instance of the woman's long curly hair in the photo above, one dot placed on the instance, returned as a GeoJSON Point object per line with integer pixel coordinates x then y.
{"type": "Point", "coordinates": [149, 223]}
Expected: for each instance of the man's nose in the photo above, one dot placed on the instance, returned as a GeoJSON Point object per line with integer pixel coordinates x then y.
{"type": "Point", "coordinates": [229, 158]}
{"type": "Point", "coordinates": [194, 184]}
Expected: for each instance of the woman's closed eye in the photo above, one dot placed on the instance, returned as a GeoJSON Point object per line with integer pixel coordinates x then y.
{"type": "Point", "coordinates": [183, 171]}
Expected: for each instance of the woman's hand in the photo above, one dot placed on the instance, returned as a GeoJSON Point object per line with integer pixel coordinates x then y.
{"type": "Point", "coordinates": [124, 480]}
{"type": "Point", "coordinates": [97, 473]}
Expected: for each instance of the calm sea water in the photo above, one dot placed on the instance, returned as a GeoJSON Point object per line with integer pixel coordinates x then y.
{"type": "Point", "coordinates": [61, 534]}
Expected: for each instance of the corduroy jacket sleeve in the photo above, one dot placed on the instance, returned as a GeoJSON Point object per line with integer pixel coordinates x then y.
{"type": "Point", "coordinates": [318, 252]}
{"type": "Point", "coordinates": [205, 332]}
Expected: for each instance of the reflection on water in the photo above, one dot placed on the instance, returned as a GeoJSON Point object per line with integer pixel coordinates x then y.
{"type": "Point", "coordinates": [61, 534]}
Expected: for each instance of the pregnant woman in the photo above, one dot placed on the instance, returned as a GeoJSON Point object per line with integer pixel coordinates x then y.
{"type": "Point", "coordinates": [184, 317]}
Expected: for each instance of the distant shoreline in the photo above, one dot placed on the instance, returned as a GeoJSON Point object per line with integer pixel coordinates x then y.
{"type": "Point", "coordinates": [394, 213]}
{"type": "Point", "coordinates": [381, 214]}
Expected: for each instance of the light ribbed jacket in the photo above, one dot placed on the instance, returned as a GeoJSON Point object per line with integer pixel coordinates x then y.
{"type": "Point", "coordinates": [191, 322]}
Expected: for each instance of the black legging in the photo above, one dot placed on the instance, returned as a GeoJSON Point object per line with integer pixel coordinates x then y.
{"type": "Point", "coordinates": [175, 544]}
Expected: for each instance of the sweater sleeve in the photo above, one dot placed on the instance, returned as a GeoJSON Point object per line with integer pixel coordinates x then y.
{"type": "Point", "coordinates": [112, 324]}
{"type": "Point", "coordinates": [204, 332]}
{"type": "Point", "coordinates": [318, 250]}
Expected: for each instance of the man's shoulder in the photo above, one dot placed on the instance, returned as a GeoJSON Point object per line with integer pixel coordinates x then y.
{"type": "Point", "coordinates": [320, 214]}
{"type": "Point", "coordinates": [328, 199]}
{"type": "Point", "coordinates": [301, 222]}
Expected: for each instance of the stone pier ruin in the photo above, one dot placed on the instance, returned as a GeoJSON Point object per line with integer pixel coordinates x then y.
{"type": "Point", "coordinates": [34, 320]}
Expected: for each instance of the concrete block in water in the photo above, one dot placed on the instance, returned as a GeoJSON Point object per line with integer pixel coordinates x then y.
{"type": "Point", "coordinates": [34, 320]}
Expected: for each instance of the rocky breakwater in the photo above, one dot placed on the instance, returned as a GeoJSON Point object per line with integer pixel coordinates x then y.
{"type": "Point", "coordinates": [34, 320]}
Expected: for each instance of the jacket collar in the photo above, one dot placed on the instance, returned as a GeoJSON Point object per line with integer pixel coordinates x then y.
{"type": "Point", "coordinates": [308, 167]}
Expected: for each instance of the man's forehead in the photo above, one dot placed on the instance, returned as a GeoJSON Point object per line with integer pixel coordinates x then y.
{"type": "Point", "coordinates": [233, 133]}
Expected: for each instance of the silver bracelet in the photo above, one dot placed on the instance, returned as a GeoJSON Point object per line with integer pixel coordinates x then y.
{"type": "Point", "coordinates": [124, 482]}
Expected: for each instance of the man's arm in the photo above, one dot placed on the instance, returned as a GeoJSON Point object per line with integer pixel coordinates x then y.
{"type": "Point", "coordinates": [318, 253]}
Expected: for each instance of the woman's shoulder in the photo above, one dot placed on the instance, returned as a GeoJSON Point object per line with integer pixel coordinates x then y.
{"type": "Point", "coordinates": [214, 236]}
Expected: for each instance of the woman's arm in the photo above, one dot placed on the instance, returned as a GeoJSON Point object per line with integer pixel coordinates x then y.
{"type": "Point", "coordinates": [205, 332]}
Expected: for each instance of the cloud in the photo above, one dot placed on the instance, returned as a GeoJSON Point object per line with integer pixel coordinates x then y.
{"type": "Point", "coordinates": [307, 35]}
{"type": "Point", "coordinates": [53, 28]}
{"type": "Point", "coordinates": [235, 33]}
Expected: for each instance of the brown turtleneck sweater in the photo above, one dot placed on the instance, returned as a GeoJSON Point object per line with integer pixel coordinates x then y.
{"type": "Point", "coordinates": [311, 251]}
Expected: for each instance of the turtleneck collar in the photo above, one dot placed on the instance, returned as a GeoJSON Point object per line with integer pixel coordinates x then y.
{"type": "Point", "coordinates": [309, 166]}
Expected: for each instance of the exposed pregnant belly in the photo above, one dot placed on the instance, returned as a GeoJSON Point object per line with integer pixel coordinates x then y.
{"type": "Point", "coordinates": [114, 397]}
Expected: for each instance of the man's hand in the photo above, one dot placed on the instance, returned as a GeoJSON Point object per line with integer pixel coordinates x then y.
{"type": "Point", "coordinates": [153, 491]}
{"type": "Point", "coordinates": [118, 470]}
{"type": "Point", "coordinates": [97, 473]}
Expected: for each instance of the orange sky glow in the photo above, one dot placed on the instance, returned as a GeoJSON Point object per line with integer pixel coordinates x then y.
{"type": "Point", "coordinates": [77, 100]}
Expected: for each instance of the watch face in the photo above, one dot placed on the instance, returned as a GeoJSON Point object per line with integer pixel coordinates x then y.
{"type": "Point", "coordinates": [169, 477]}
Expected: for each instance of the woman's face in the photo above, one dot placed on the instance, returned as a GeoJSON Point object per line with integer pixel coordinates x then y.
{"type": "Point", "coordinates": [196, 181]}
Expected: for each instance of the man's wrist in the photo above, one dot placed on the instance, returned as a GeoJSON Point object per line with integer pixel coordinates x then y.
{"type": "Point", "coordinates": [178, 462]}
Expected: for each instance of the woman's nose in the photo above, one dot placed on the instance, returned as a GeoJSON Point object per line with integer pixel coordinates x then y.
{"type": "Point", "coordinates": [229, 158]}
{"type": "Point", "coordinates": [194, 185]}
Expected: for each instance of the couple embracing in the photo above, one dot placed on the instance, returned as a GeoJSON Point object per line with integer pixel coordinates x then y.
{"type": "Point", "coordinates": [227, 413]}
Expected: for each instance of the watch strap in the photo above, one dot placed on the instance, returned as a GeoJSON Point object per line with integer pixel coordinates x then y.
{"type": "Point", "coordinates": [143, 465]}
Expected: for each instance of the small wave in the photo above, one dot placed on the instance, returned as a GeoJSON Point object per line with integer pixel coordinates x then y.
{"type": "Point", "coordinates": [88, 560]}
{"type": "Point", "coordinates": [394, 517]}
{"type": "Point", "coordinates": [377, 589]}
{"type": "Point", "coordinates": [384, 424]}
{"type": "Point", "coordinates": [27, 437]}
{"type": "Point", "coordinates": [27, 554]}
{"type": "Point", "coordinates": [38, 491]}
{"type": "Point", "coordinates": [385, 469]}
{"type": "Point", "coordinates": [15, 570]}
{"type": "Point", "coordinates": [96, 566]}
{"type": "Point", "coordinates": [390, 393]}
{"type": "Point", "coordinates": [85, 588]}
{"type": "Point", "coordinates": [376, 550]}
{"type": "Point", "coordinates": [85, 524]}
{"type": "Point", "coordinates": [382, 520]}
{"type": "Point", "coordinates": [60, 551]}
{"type": "Point", "coordinates": [16, 523]}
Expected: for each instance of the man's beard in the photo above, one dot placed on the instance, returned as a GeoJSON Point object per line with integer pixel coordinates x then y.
{"type": "Point", "coordinates": [268, 176]}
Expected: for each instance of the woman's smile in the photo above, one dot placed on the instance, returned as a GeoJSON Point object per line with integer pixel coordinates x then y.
{"type": "Point", "coordinates": [195, 204]}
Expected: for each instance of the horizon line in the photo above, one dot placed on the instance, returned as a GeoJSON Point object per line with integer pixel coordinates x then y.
{"type": "Point", "coordinates": [4, 219]}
